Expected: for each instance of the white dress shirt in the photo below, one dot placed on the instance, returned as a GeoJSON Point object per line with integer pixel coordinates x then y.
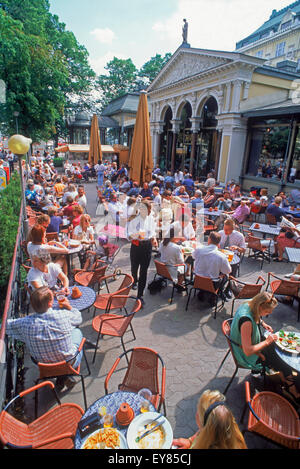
{"type": "Point", "coordinates": [210, 262]}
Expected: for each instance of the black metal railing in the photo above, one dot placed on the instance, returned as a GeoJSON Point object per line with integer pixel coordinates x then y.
{"type": "Point", "coordinates": [11, 351]}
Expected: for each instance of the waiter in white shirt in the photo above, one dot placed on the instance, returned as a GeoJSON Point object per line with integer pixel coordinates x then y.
{"type": "Point", "coordinates": [141, 231]}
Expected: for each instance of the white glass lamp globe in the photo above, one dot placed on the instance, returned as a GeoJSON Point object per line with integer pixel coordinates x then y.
{"type": "Point", "coordinates": [19, 144]}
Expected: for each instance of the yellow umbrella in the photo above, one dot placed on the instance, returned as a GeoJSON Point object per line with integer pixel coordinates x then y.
{"type": "Point", "coordinates": [95, 153]}
{"type": "Point", "coordinates": [140, 161]}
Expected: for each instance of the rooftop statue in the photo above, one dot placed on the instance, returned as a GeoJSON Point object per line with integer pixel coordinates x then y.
{"type": "Point", "coordinates": [185, 28]}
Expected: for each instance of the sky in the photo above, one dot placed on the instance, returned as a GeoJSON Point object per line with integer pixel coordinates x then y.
{"type": "Point", "coordinates": [139, 29]}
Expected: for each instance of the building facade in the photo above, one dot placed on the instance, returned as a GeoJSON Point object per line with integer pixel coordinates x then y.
{"type": "Point", "coordinates": [198, 113]}
{"type": "Point", "coordinates": [277, 40]}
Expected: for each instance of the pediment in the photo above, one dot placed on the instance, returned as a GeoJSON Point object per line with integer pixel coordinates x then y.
{"type": "Point", "coordinates": [184, 65]}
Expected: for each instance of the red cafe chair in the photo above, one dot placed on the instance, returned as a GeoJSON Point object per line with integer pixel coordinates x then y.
{"type": "Point", "coordinates": [142, 372]}
{"type": "Point", "coordinates": [55, 429]}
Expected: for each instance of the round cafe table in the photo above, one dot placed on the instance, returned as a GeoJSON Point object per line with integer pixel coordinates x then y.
{"type": "Point", "coordinates": [86, 300]}
{"type": "Point", "coordinates": [112, 403]}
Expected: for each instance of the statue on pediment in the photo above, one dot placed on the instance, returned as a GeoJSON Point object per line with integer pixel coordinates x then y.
{"type": "Point", "coordinates": [185, 29]}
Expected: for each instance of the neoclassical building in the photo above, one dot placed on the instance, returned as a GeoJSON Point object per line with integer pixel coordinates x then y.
{"type": "Point", "coordinates": [198, 111]}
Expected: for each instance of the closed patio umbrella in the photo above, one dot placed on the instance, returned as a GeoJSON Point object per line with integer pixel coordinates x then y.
{"type": "Point", "coordinates": [140, 161]}
{"type": "Point", "coordinates": [95, 153]}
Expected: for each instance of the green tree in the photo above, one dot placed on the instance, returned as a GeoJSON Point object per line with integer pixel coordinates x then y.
{"type": "Point", "coordinates": [120, 79]}
{"type": "Point", "coordinates": [43, 66]}
{"type": "Point", "coordinates": [150, 69]}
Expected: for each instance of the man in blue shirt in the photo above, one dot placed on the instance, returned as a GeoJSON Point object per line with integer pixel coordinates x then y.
{"type": "Point", "coordinates": [134, 191]}
{"type": "Point", "coordinates": [275, 210]}
{"type": "Point", "coordinates": [32, 196]}
{"type": "Point", "coordinates": [189, 184]}
{"type": "Point", "coordinates": [197, 200]}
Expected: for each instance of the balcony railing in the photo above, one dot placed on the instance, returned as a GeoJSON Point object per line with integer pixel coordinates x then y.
{"type": "Point", "coordinates": [9, 356]}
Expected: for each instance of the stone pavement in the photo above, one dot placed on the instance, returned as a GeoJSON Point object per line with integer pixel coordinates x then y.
{"type": "Point", "coordinates": [190, 343]}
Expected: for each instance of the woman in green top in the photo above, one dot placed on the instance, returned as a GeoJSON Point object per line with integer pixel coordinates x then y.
{"type": "Point", "coordinates": [251, 350]}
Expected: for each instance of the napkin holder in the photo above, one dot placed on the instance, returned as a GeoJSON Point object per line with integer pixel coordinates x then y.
{"type": "Point", "coordinates": [89, 424]}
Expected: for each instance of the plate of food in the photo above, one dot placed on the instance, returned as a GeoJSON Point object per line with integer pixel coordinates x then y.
{"type": "Point", "coordinates": [160, 438]}
{"type": "Point", "coordinates": [288, 341]}
{"type": "Point", "coordinates": [74, 243]}
{"type": "Point", "coordinates": [228, 254]}
{"type": "Point", "coordinates": [105, 438]}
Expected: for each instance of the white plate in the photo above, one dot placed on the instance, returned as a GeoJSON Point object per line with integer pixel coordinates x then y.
{"type": "Point", "coordinates": [74, 243]}
{"type": "Point", "coordinates": [123, 443]}
{"type": "Point", "coordinates": [143, 419]}
{"type": "Point", "coordinates": [285, 349]}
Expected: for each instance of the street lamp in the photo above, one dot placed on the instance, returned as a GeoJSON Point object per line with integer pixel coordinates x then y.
{"type": "Point", "coordinates": [19, 145]}
{"type": "Point", "coordinates": [16, 115]}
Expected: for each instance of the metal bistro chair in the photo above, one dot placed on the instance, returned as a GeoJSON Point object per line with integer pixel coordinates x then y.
{"type": "Point", "coordinates": [90, 278]}
{"type": "Point", "coordinates": [142, 372]}
{"type": "Point", "coordinates": [285, 287]}
{"type": "Point", "coordinates": [115, 325]}
{"type": "Point", "coordinates": [272, 417]}
{"type": "Point", "coordinates": [52, 236]}
{"type": "Point", "coordinates": [259, 250]}
{"type": "Point", "coordinates": [55, 429]}
{"type": "Point", "coordinates": [206, 284]}
{"type": "Point", "coordinates": [113, 300]}
{"type": "Point", "coordinates": [244, 290]}
{"type": "Point", "coordinates": [226, 326]}
{"type": "Point", "coordinates": [63, 368]}
{"type": "Point", "coordinates": [163, 272]}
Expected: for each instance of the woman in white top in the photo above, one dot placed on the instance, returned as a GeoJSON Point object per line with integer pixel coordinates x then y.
{"type": "Point", "coordinates": [46, 273]}
{"type": "Point", "coordinates": [84, 232]}
{"type": "Point", "coordinates": [39, 241]}
{"type": "Point", "coordinates": [171, 255]}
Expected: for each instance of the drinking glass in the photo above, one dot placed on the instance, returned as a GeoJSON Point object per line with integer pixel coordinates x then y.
{"type": "Point", "coordinates": [146, 395]}
{"type": "Point", "coordinates": [108, 420]}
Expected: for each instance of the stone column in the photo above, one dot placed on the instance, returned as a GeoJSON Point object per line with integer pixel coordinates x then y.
{"type": "Point", "coordinates": [176, 125]}
{"type": "Point", "coordinates": [195, 129]}
{"type": "Point", "coordinates": [236, 98]}
{"type": "Point", "coordinates": [156, 131]}
{"type": "Point", "coordinates": [228, 95]}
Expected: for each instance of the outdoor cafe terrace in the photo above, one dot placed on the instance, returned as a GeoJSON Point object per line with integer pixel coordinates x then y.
{"type": "Point", "coordinates": [189, 341]}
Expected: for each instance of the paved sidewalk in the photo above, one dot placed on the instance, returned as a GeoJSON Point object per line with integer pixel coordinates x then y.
{"type": "Point", "coordinates": [191, 344]}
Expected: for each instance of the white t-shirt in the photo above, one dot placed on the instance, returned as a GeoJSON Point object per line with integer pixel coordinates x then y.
{"type": "Point", "coordinates": [210, 262]}
{"type": "Point", "coordinates": [82, 201]}
{"type": "Point", "coordinates": [32, 249]}
{"type": "Point", "coordinates": [84, 235]}
{"type": "Point", "coordinates": [44, 278]}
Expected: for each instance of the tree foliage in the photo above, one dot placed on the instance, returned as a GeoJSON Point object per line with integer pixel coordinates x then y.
{"type": "Point", "coordinates": [123, 76]}
{"type": "Point", "coordinates": [10, 203]}
{"type": "Point", "coordinates": [43, 66]}
{"type": "Point", "coordinates": [150, 69]}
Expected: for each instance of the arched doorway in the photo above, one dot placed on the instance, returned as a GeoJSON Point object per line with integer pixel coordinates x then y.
{"type": "Point", "coordinates": [166, 142]}
{"type": "Point", "coordinates": [184, 139]}
{"type": "Point", "coordinates": [208, 141]}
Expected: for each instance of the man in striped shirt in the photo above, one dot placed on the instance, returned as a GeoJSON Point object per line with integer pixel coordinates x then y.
{"type": "Point", "coordinates": [50, 335]}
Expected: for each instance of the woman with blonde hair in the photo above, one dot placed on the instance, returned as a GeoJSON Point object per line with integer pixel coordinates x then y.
{"type": "Point", "coordinates": [250, 348]}
{"type": "Point", "coordinates": [217, 426]}
{"type": "Point", "coordinates": [84, 232]}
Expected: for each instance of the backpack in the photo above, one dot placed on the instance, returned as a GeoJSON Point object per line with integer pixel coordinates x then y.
{"type": "Point", "coordinates": [157, 285]}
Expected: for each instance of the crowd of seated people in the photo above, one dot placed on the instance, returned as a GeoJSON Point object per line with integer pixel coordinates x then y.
{"type": "Point", "coordinates": [163, 215]}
